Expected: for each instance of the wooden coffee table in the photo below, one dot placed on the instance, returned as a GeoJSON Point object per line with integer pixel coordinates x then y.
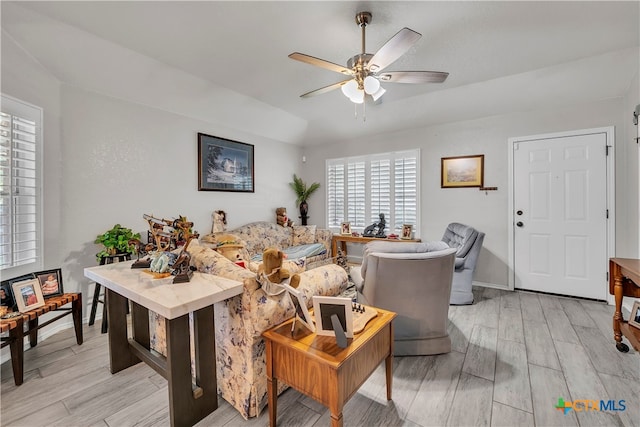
{"type": "Point", "coordinates": [317, 367]}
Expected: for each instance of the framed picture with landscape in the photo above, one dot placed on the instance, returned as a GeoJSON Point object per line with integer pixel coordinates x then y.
{"type": "Point", "coordinates": [462, 171]}
{"type": "Point", "coordinates": [224, 165]}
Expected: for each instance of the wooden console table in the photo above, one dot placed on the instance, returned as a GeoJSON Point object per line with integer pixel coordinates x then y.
{"type": "Point", "coordinates": [317, 367]}
{"type": "Point", "coordinates": [344, 238]}
{"type": "Point", "coordinates": [624, 280]}
{"type": "Point", "coordinates": [188, 403]}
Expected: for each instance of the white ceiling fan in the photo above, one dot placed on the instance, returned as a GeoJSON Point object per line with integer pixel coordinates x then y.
{"type": "Point", "coordinates": [366, 70]}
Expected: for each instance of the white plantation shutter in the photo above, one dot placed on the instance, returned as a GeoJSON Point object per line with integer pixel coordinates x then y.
{"type": "Point", "coordinates": [356, 201]}
{"type": "Point", "coordinates": [20, 186]}
{"type": "Point", "coordinates": [380, 185]}
{"type": "Point", "coordinates": [406, 191]}
{"type": "Point", "coordinates": [335, 194]}
{"type": "Point", "coordinates": [360, 188]}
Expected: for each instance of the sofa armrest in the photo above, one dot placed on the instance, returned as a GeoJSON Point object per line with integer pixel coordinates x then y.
{"type": "Point", "coordinates": [324, 236]}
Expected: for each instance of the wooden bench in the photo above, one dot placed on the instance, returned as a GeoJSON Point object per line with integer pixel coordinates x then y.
{"type": "Point", "coordinates": [15, 327]}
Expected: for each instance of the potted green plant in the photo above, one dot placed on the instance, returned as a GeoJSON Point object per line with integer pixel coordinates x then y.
{"type": "Point", "coordinates": [303, 193]}
{"type": "Point", "coordinates": [116, 241]}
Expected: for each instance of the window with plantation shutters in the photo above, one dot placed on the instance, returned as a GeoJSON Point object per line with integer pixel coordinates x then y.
{"type": "Point", "coordinates": [360, 188]}
{"type": "Point", "coordinates": [20, 189]}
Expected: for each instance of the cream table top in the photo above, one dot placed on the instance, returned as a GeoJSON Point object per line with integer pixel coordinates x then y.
{"type": "Point", "coordinates": [168, 299]}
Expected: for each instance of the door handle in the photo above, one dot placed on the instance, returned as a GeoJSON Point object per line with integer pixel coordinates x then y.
{"type": "Point", "coordinates": [519, 223]}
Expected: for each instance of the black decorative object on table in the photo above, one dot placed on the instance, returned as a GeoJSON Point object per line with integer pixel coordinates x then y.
{"type": "Point", "coordinates": [376, 229]}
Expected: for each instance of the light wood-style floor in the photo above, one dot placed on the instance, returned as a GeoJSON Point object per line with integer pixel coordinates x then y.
{"type": "Point", "coordinates": [514, 354]}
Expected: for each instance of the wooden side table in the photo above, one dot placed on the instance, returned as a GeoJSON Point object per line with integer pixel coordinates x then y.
{"type": "Point", "coordinates": [317, 367]}
{"type": "Point", "coordinates": [344, 238]}
{"type": "Point", "coordinates": [624, 280]}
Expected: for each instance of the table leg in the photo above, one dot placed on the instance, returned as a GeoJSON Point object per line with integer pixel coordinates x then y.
{"type": "Point", "coordinates": [187, 405]}
{"type": "Point", "coordinates": [617, 315]}
{"type": "Point", "coordinates": [336, 419]}
{"type": "Point", "coordinates": [272, 386]}
{"type": "Point", "coordinates": [33, 335]}
{"type": "Point", "coordinates": [76, 313]}
{"type": "Point", "coordinates": [334, 248]}
{"type": "Point", "coordinates": [120, 355]}
{"type": "Point", "coordinates": [388, 362]}
{"type": "Point", "coordinates": [16, 347]}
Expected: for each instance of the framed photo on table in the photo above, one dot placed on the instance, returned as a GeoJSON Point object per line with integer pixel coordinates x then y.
{"type": "Point", "coordinates": [300, 304]}
{"type": "Point", "coordinates": [407, 231]}
{"type": "Point", "coordinates": [28, 294]}
{"type": "Point", "coordinates": [325, 307]}
{"type": "Point", "coordinates": [634, 320]}
{"type": "Point", "coordinates": [50, 282]}
{"type": "Point", "coordinates": [345, 229]}
{"type": "Point", "coordinates": [462, 171]}
{"type": "Point", "coordinates": [224, 165]}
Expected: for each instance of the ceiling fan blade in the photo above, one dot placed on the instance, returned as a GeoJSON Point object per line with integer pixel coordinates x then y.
{"type": "Point", "coordinates": [320, 63]}
{"type": "Point", "coordinates": [324, 89]}
{"type": "Point", "coordinates": [393, 49]}
{"type": "Point", "coordinates": [413, 76]}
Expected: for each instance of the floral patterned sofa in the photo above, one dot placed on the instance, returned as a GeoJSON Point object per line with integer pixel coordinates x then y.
{"type": "Point", "coordinates": [240, 321]}
{"type": "Point", "coordinates": [257, 236]}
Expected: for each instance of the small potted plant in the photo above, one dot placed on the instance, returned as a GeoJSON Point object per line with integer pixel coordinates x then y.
{"type": "Point", "coordinates": [116, 241]}
{"type": "Point", "coordinates": [303, 192]}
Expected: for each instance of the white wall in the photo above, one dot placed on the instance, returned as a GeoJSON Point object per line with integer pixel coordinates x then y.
{"type": "Point", "coordinates": [488, 136]}
{"type": "Point", "coordinates": [110, 161]}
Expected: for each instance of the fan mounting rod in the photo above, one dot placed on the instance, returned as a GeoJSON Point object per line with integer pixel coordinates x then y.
{"type": "Point", "coordinates": [363, 19]}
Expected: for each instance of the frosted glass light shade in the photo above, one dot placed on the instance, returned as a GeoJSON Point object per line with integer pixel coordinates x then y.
{"type": "Point", "coordinates": [358, 98]}
{"type": "Point", "coordinates": [378, 94]}
{"type": "Point", "coordinates": [350, 88]}
{"type": "Point", "coordinates": [371, 85]}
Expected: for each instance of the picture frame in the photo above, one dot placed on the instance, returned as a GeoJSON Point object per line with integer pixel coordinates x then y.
{"type": "Point", "coordinates": [6, 295]}
{"type": "Point", "coordinates": [50, 282]}
{"type": "Point", "coordinates": [462, 171]}
{"type": "Point", "coordinates": [300, 304]}
{"type": "Point", "coordinates": [27, 294]}
{"type": "Point", "coordinates": [9, 284]}
{"type": "Point", "coordinates": [325, 307]}
{"type": "Point", "coordinates": [407, 232]}
{"type": "Point", "coordinates": [634, 319]}
{"type": "Point", "coordinates": [345, 229]}
{"type": "Point", "coordinates": [225, 165]}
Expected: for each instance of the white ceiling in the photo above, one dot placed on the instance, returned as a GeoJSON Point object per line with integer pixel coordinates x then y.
{"type": "Point", "coordinates": [501, 56]}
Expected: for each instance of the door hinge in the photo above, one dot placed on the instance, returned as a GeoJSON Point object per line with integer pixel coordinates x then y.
{"type": "Point", "coordinates": [607, 213]}
{"type": "Point", "coordinates": [607, 276]}
{"type": "Point", "coordinates": [606, 148]}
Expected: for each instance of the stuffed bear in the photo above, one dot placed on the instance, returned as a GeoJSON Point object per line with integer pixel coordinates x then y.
{"type": "Point", "coordinates": [271, 266]}
{"type": "Point", "coordinates": [231, 247]}
{"type": "Point", "coordinates": [282, 218]}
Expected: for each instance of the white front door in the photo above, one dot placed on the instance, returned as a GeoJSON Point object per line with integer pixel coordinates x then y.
{"type": "Point", "coordinates": [560, 214]}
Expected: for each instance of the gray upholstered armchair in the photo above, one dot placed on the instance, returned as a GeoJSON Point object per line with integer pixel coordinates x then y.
{"type": "Point", "coordinates": [468, 242]}
{"type": "Point", "coordinates": [413, 280]}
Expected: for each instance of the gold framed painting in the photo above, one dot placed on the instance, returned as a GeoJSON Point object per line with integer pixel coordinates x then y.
{"type": "Point", "coordinates": [462, 171]}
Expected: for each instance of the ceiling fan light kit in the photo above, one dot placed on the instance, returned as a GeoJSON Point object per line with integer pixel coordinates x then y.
{"type": "Point", "coordinates": [363, 68]}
